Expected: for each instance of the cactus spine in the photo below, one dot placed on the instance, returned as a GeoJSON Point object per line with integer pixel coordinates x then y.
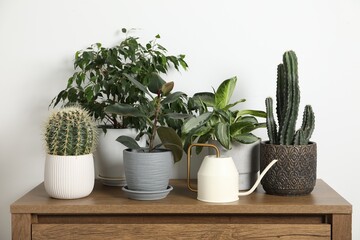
{"type": "Point", "coordinates": [70, 131]}
{"type": "Point", "coordinates": [287, 108]}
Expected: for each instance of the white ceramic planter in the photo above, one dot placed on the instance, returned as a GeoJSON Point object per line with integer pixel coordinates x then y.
{"type": "Point", "coordinates": [109, 156]}
{"type": "Point", "coordinates": [69, 177]}
{"type": "Point", "coordinates": [247, 160]}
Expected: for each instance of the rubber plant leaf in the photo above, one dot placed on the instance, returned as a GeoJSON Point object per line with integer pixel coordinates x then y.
{"type": "Point", "coordinates": [224, 93]}
{"type": "Point", "coordinates": [172, 97]}
{"type": "Point", "coordinates": [128, 142]}
{"type": "Point", "coordinates": [172, 141]}
{"type": "Point", "coordinates": [155, 83]}
{"type": "Point", "coordinates": [124, 110]}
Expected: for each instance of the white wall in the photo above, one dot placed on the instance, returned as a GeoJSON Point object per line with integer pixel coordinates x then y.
{"type": "Point", "coordinates": [220, 39]}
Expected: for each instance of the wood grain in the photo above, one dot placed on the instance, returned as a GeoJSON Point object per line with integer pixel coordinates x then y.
{"type": "Point", "coordinates": [21, 226]}
{"type": "Point", "coordinates": [341, 227]}
{"type": "Point", "coordinates": [112, 200]}
{"type": "Point", "coordinates": [180, 231]}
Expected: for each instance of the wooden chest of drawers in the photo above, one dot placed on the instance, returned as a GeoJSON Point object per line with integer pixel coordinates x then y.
{"type": "Point", "coordinates": [108, 214]}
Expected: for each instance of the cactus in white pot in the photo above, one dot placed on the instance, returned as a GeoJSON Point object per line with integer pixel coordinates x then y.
{"type": "Point", "coordinates": [70, 138]}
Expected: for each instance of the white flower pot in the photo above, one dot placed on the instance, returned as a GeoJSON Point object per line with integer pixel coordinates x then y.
{"type": "Point", "coordinates": [69, 177]}
{"type": "Point", "coordinates": [109, 156]}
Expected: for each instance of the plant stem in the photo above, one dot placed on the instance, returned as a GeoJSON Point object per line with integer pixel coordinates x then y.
{"type": "Point", "coordinates": [154, 127]}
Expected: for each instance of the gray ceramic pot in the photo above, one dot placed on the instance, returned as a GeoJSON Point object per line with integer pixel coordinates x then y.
{"type": "Point", "coordinates": [146, 171]}
{"type": "Point", "coordinates": [294, 173]}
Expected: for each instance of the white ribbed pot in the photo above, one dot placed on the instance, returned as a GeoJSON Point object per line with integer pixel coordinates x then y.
{"type": "Point", "coordinates": [69, 177]}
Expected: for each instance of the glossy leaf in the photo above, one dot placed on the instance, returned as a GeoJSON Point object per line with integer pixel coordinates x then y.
{"type": "Point", "coordinates": [124, 110]}
{"type": "Point", "coordinates": [224, 93]}
{"type": "Point", "coordinates": [156, 83]}
{"type": "Point", "coordinates": [172, 141]}
{"type": "Point", "coordinates": [172, 97]}
{"type": "Point", "coordinates": [128, 142]}
{"type": "Point", "coordinates": [246, 138]}
{"type": "Point", "coordinates": [222, 133]}
{"type": "Point", "coordinates": [195, 122]}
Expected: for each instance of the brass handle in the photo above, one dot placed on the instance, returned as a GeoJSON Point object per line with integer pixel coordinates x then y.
{"type": "Point", "coordinates": [189, 158]}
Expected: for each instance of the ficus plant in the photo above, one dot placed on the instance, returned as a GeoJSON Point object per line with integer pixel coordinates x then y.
{"type": "Point", "coordinates": [157, 114]}
{"type": "Point", "coordinates": [217, 120]}
{"type": "Point", "coordinates": [100, 77]}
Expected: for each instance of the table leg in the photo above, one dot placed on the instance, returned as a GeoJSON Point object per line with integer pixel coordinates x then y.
{"type": "Point", "coordinates": [341, 227]}
{"type": "Point", "coordinates": [21, 226]}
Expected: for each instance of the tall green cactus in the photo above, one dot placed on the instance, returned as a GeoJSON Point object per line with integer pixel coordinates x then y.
{"type": "Point", "coordinates": [70, 131]}
{"type": "Point", "coordinates": [288, 100]}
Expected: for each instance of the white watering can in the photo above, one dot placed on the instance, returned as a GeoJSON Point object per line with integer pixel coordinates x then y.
{"type": "Point", "coordinates": [218, 178]}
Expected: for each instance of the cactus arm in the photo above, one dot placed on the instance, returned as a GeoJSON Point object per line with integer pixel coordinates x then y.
{"type": "Point", "coordinates": [299, 138]}
{"type": "Point", "coordinates": [293, 98]}
{"type": "Point", "coordinates": [308, 123]}
{"type": "Point", "coordinates": [281, 85]}
{"type": "Point", "coordinates": [270, 121]}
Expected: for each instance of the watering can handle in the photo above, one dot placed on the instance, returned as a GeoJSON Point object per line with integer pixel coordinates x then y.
{"type": "Point", "coordinates": [189, 158]}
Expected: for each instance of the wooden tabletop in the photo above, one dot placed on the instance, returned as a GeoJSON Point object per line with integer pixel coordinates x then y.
{"type": "Point", "coordinates": [112, 200]}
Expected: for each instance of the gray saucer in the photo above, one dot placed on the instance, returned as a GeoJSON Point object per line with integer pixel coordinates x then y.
{"type": "Point", "coordinates": [147, 195]}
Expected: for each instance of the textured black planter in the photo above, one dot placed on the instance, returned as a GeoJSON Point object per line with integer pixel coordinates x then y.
{"type": "Point", "coordinates": [294, 173]}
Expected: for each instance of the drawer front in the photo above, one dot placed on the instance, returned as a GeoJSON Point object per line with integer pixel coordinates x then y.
{"type": "Point", "coordinates": [181, 231]}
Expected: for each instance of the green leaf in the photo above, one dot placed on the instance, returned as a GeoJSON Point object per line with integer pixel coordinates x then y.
{"type": "Point", "coordinates": [128, 142]}
{"type": "Point", "coordinates": [246, 138]}
{"type": "Point", "coordinates": [172, 97]}
{"type": "Point", "coordinates": [155, 83]}
{"type": "Point", "coordinates": [238, 128]}
{"type": "Point", "coordinates": [204, 97]}
{"type": "Point", "coordinates": [222, 133]}
{"type": "Point", "coordinates": [195, 122]}
{"type": "Point", "coordinates": [224, 93]}
{"type": "Point", "coordinates": [124, 110]}
{"type": "Point", "coordinates": [171, 141]}
{"type": "Point", "coordinates": [233, 104]}
{"type": "Point", "coordinates": [177, 115]}
{"type": "Point", "coordinates": [137, 84]}
{"type": "Point", "coordinates": [256, 113]}
{"type": "Point", "coordinates": [89, 93]}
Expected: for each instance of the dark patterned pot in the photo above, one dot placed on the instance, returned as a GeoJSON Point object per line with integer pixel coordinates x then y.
{"type": "Point", "coordinates": [295, 171]}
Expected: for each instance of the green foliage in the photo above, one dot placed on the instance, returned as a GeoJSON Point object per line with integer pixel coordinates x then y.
{"type": "Point", "coordinates": [100, 77]}
{"type": "Point", "coordinates": [288, 100]}
{"type": "Point", "coordinates": [70, 131]}
{"type": "Point", "coordinates": [162, 113]}
{"type": "Point", "coordinates": [220, 122]}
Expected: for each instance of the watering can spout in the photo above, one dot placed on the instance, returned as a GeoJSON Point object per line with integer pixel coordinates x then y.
{"type": "Point", "coordinates": [251, 190]}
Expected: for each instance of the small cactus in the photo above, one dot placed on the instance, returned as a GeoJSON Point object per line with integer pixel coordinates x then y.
{"type": "Point", "coordinates": [287, 108]}
{"type": "Point", "coordinates": [70, 131]}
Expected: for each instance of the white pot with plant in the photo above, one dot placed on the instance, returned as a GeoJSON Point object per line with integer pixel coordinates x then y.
{"type": "Point", "coordinates": [229, 130]}
{"type": "Point", "coordinates": [100, 81]}
{"type": "Point", "coordinates": [148, 169]}
{"type": "Point", "coordinates": [70, 138]}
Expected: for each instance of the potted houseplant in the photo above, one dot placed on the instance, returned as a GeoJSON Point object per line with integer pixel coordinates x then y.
{"type": "Point", "coordinates": [295, 171]}
{"type": "Point", "coordinates": [100, 81]}
{"type": "Point", "coordinates": [228, 129]}
{"type": "Point", "coordinates": [70, 137]}
{"type": "Point", "coordinates": [147, 170]}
